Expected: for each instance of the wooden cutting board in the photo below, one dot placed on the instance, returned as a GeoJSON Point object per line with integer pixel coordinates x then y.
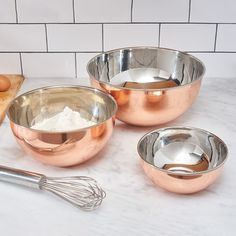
{"type": "Point", "coordinates": [6, 97]}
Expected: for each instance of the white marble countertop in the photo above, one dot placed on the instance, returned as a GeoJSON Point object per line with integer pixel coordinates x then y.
{"type": "Point", "coordinates": [133, 206]}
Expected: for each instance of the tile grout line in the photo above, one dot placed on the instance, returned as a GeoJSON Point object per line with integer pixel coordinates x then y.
{"type": "Point", "coordinates": [46, 34]}
{"type": "Point", "coordinates": [189, 10]}
{"type": "Point", "coordinates": [131, 13]}
{"type": "Point", "coordinates": [102, 37]}
{"type": "Point", "coordinates": [125, 23]}
{"type": "Point", "coordinates": [216, 33]}
{"type": "Point", "coordinates": [72, 52]}
{"type": "Point", "coordinates": [21, 64]}
{"type": "Point", "coordinates": [16, 12]}
{"type": "Point", "coordinates": [73, 6]}
{"type": "Point", "coordinates": [76, 69]}
{"type": "Point", "coordinates": [29, 52]}
{"type": "Point", "coordinates": [159, 35]}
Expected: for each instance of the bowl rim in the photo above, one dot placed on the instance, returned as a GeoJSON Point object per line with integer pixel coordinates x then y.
{"type": "Point", "coordinates": [176, 173]}
{"type": "Point", "coordinates": [145, 47]}
{"type": "Point", "coordinates": [63, 86]}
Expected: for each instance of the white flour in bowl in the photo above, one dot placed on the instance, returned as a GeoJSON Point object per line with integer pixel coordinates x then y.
{"type": "Point", "coordinates": [66, 120]}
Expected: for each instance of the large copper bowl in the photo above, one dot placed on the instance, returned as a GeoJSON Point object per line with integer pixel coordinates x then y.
{"type": "Point", "coordinates": [68, 147]}
{"type": "Point", "coordinates": [182, 159]}
{"type": "Point", "coordinates": [151, 85]}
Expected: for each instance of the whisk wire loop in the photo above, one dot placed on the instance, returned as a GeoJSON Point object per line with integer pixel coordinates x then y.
{"type": "Point", "coordinates": [83, 192]}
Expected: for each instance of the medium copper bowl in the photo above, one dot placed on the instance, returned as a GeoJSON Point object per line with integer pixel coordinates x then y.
{"type": "Point", "coordinates": [62, 148]}
{"type": "Point", "coordinates": [182, 159]}
{"type": "Point", "coordinates": [151, 85]}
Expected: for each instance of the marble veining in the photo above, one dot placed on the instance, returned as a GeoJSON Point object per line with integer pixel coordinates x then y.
{"type": "Point", "coordinates": [133, 206]}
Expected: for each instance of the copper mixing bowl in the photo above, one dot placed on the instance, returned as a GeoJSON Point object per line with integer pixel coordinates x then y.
{"type": "Point", "coordinates": [182, 159]}
{"type": "Point", "coordinates": [63, 148]}
{"type": "Point", "coordinates": [151, 85]}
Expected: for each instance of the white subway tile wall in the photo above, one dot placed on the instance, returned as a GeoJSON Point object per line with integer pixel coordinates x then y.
{"type": "Point", "coordinates": [226, 38]}
{"type": "Point", "coordinates": [45, 11]}
{"type": "Point", "coordinates": [220, 11]}
{"type": "Point", "coordinates": [7, 11]}
{"type": "Point", "coordinates": [74, 37]}
{"type": "Point", "coordinates": [90, 11]}
{"type": "Point", "coordinates": [57, 38]}
{"type": "Point", "coordinates": [127, 35]}
{"type": "Point", "coordinates": [10, 63]}
{"type": "Point", "coordinates": [160, 10]}
{"type": "Point", "coordinates": [188, 37]}
{"type": "Point", "coordinates": [82, 60]}
{"type": "Point", "coordinates": [48, 64]}
{"type": "Point", "coordinates": [218, 64]}
{"type": "Point", "coordinates": [17, 37]}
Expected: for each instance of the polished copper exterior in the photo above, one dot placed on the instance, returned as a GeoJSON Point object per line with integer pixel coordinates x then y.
{"type": "Point", "coordinates": [150, 105]}
{"type": "Point", "coordinates": [146, 108]}
{"type": "Point", "coordinates": [183, 184]}
{"type": "Point", "coordinates": [193, 163]}
{"type": "Point", "coordinates": [62, 148]}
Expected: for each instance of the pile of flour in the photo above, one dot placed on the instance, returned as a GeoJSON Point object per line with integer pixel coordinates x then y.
{"type": "Point", "coordinates": [66, 120]}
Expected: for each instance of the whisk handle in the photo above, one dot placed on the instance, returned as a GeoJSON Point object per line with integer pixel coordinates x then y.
{"type": "Point", "coordinates": [21, 177]}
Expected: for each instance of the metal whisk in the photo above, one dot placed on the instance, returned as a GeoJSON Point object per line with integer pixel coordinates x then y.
{"type": "Point", "coordinates": [81, 191]}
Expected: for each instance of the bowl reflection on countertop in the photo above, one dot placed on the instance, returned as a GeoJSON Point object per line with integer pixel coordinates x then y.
{"type": "Point", "coordinates": [182, 159]}
{"type": "Point", "coordinates": [151, 85]}
{"type": "Point", "coordinates": [62, 148]}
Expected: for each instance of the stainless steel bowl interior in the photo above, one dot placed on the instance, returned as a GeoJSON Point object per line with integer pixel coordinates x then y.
{"type": "Point", "coordinates": [182, 150]}
{"type": "Point", "coordinates": [144, 65]}
{"type": "Point", "coordinates": [42, 103]}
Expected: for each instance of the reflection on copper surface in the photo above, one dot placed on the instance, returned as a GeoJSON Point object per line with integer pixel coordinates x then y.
{"type": "Point", "coordinates": [145, 108]}
{"type": "Point", "coordinates": [99, 131]}
{"type": "Point", "coordinates": [202, 165]}
{"type": "Point", "coordinates": [178, 183]}
{"type": "Point", "coordinates": [151, 85]}
{"type": "Point", "coordinates": [121, 97]}
{"type": "Point", "coordinates": [62, 148]}
{"type": "Point", "coordinates": [155, 97]}
{"type": "Point", "coordinates": [182, 159]}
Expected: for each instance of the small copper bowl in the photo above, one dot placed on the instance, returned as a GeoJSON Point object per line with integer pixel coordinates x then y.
{"type": "Point", "coordinates": [62, 148]}
{"type": "Point", "coordinates": [182, 159]}
{"type": "Point", "coordinates": [151, 85]}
